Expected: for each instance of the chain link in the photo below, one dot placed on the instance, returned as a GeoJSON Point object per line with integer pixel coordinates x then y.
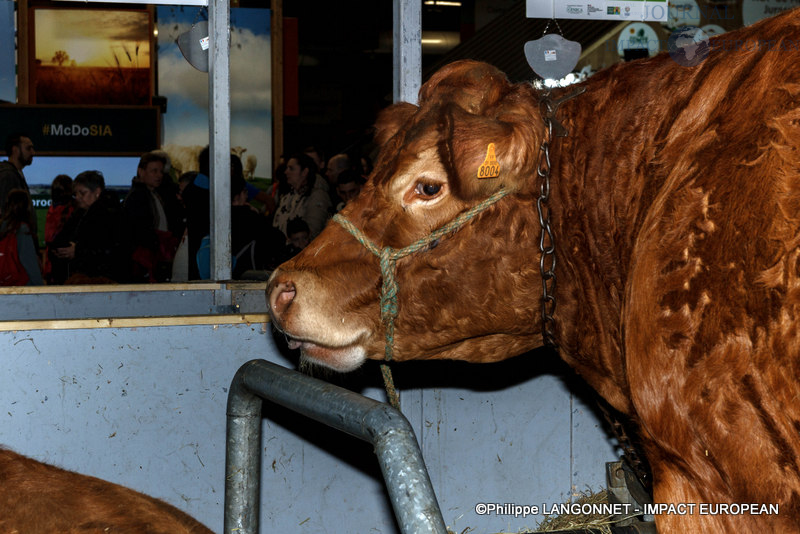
{"type": "Point", "coordinates": [547, 245]}
{"type": "Point", "coordinates": [547, 27]}
{"type": "Point", "coordinates": [631, 453]}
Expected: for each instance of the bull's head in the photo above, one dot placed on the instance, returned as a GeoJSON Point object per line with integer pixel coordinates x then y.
{"type": "Point", "coordinates": [475, 293]}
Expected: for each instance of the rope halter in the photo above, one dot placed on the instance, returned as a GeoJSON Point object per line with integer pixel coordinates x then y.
{"type": "Point", "coordinates": [388, 257]}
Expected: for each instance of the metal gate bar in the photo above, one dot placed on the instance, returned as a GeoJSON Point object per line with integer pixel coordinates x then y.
{"type": "Point", "coordinates": [399, 456]}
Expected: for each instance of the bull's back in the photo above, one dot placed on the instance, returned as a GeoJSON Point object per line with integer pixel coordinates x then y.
{"type": "Point", "coordinates": [712, 302]}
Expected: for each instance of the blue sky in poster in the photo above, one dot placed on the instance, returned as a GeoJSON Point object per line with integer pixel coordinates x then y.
{"type": "Point", "coordinates": [8, 87]}
{"type": "Point", "coordinates": [117, 171]}
{"type": "Point", "coordinates": [186, 89]}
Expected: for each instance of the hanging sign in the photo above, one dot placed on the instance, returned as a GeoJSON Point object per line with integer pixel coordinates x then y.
{"type": "Point", "coordinates": [632, 10]}
{"type": "Point", "coordinates": [552, 56]}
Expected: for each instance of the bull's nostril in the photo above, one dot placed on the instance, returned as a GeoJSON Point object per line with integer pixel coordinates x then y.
{"type": "Point", "coordinates": [282, 296]}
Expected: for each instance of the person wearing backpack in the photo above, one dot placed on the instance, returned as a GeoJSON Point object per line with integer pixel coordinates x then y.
{"type": "Point", "coordinates": [19, 262]}
{"type": "Point", "coordinates": [250, 232]}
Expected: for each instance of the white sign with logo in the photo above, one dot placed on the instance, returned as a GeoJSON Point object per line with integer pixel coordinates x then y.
{"type": "Point", "coordinates": [655, 10]}
{"type": "Point", "coordinates": [682, 13]}
{"type": "Point", "coordinates": [755, 10]}
{"type": "Point", "coordinates": [638, 35]}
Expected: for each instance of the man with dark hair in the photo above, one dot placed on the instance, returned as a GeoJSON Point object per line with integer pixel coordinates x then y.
{"type": "Point", "coordinates": [348, 186]}
{"type": "Point", "coordinates": [20, 152]}
{"type": "Point", "coordinates": [298, 236]}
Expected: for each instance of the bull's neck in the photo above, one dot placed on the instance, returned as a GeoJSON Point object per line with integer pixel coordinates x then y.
{"type": "Point", "coordinates": [594, 211]}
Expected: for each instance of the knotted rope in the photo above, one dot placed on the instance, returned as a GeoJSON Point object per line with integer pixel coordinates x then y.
{"type": "Point", "coordinates": [388, 257]}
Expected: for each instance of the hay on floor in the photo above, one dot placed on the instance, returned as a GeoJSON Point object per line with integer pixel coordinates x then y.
{"type": "Point", "coordinates": [576, 522]}
{"type": "Point", "coordinates": [596, 522]}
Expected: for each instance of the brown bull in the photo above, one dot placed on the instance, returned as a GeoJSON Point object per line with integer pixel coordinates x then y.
{"type": "Point", "coordinates": [675, 209]}
{"type": "Point", "coordinates": [36, 498]}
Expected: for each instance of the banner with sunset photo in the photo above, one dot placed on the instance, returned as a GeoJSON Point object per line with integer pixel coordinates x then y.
{"type": "Point", "coordinates": [91, 57]}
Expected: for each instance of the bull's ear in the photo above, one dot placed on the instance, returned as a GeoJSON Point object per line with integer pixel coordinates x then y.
{"type": "Point", "coordinates": [483, 153]}
{"type": "Point", "coordinates": [390, 120]}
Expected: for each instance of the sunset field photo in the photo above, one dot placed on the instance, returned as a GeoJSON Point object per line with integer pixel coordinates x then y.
{"type": "Point", "coordinates": [92, 57]}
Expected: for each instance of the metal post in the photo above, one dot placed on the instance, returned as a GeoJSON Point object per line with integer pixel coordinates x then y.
{"type": "Point", "coordinates": [404, 471]}
{"type": "Point", "coordinates": [407, 49]}
{"type": "Point", "coordinates": [219, 118]}
{"type": "Point", "coordinates": [242, 460]}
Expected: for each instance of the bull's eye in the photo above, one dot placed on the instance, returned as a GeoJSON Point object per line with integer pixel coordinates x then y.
{"type": "Point", "coordinates": [427, 190]}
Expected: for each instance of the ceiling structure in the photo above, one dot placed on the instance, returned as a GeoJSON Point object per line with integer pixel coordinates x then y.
{"type": "Point", "coordinates": [345, 62]}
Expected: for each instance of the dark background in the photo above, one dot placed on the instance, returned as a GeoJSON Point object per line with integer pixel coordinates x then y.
{"type": "Point", "coordinates": [345, 68]}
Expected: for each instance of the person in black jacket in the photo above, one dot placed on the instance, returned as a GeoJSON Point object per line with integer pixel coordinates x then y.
{"type": "Point", "coordinates": [95, 239]}
{"type": "Point", "coordinates": [250, 232]}
{"type": "Point", "coordinates": [20, 152]}
{"type": "Point", "coordinates": [197, 198]}
{"type": "Point", "coordinates": [155, 217]}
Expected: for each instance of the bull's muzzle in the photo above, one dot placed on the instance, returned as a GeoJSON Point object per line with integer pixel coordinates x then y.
{"type": "Point", "coordinates": [280, 295]}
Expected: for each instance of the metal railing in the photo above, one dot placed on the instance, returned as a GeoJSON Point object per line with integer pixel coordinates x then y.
{"type": "Point", "coordinates": [396, 447]}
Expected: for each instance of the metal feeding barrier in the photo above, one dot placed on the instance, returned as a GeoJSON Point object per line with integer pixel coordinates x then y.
{"type": "Point", "coordinates": [390, 433]}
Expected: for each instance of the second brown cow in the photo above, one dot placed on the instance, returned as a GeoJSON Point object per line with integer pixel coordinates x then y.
{"type": "Point", "coordinates": [37, 498]}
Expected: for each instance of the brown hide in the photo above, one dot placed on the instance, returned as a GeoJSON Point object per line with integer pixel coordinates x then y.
{"type": "Point", "coordinates": [676, 215]}
{"type": "Point", "coordinates": [36, 498]}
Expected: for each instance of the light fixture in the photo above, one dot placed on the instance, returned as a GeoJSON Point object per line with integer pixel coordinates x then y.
{"type": "Point", "coordinates": [448, 3]}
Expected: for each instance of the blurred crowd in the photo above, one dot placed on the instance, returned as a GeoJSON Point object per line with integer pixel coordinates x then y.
{"type": "Point", "coordinates": [158, 230]}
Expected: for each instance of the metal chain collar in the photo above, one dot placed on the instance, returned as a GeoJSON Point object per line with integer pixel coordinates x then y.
{"type": "Point", "coordinates": [547, 245]}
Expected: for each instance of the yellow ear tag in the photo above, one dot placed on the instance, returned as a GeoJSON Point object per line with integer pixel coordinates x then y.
{"type": "Point", "coordinates": [490, 168]}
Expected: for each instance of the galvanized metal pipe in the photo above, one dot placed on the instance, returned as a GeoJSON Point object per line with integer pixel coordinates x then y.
{"type": "Point", "coordinates": [407, 50]}
{"type": "Point", "coordinates": [219, 118]}
{"type": "Point", "coordinates": [399, 456]}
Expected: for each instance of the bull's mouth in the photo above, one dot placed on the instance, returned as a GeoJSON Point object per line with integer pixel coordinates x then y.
{"type": "Point", "coordinates": [294, 343]}
{"type": "Point", "coordinates": [343, 358]}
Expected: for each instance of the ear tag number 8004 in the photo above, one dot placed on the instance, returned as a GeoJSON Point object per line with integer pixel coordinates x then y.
{"type": "Point", "coordinates": [490, 168]}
